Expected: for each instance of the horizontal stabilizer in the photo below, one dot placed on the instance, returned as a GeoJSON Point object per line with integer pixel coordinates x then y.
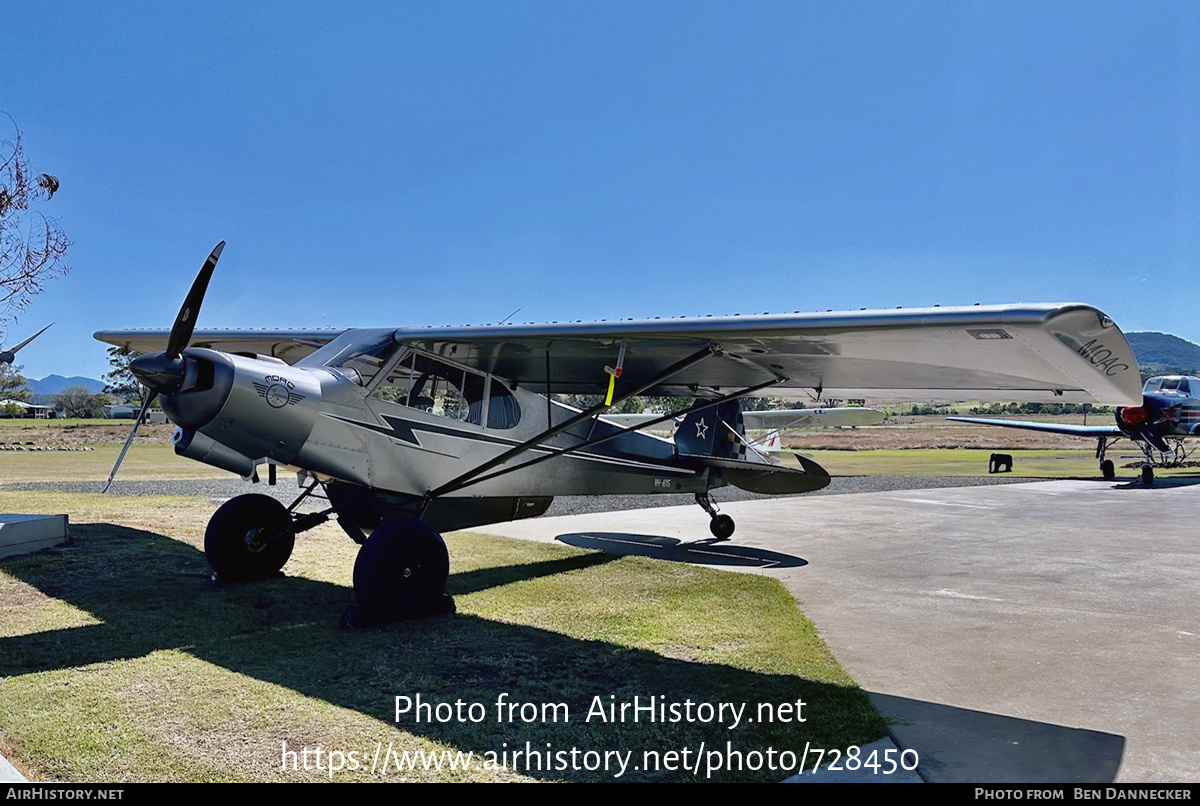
{"type": "Point", "coordinates": [767, 479]}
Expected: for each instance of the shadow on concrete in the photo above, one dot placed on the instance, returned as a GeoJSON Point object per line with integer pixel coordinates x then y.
{"type": "Point", "coordinates": [958, 745]}
{"type": "Point", "coordinates": [698, 552]}
{"type": "Point", "coordinates": [1160, 483]}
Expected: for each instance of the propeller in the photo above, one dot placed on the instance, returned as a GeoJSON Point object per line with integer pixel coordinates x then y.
{"type": "Point", "coordinates": [8, 356]}
{"type": "Point", "coordinates": [165, 372]}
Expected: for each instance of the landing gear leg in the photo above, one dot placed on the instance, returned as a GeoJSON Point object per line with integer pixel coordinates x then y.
{"type": "Point", "coordinates": [1107, 468]}
{"type": "Point", "coordinates": [1148, 463]}
{"type": "Point", "coordinates": [721, 526]}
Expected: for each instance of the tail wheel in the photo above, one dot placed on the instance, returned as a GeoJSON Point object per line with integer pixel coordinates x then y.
{"type": "Point", "coordinates": [721, 526]}
{"type": "Point", "coordinates": [250, 537]}
{"type": "Point", "coordinates": [401, 573]}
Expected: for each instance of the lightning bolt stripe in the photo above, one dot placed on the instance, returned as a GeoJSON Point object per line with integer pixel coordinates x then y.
{"type": "Point", "coordinates": [406, 431]}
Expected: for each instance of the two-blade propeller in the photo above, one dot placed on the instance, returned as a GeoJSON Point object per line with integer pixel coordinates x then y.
{"type": "Point", "coordinates": [9, 356]}
{"type": "Point", "coordinates": [165, 372]}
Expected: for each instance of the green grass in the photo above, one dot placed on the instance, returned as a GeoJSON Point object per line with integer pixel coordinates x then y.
{"type": "Point", "coordinates": [143, 462]}
{"type": "Point", "coordinates": [22, 424]}
{"type": "Point", "coordinates": [121, 661]}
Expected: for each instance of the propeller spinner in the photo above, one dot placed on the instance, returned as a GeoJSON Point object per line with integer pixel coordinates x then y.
{"type": "Point", "coordinates": [166, 372]}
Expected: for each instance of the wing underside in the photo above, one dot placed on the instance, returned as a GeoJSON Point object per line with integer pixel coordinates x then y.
{"type": "Point", "coordinates": [289, 346]}
{"type": "Point", "coordinates": [1068, 352]}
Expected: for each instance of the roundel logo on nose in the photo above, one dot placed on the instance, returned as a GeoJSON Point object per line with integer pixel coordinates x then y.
{"type": "Point", "coordinates": [277, 396]}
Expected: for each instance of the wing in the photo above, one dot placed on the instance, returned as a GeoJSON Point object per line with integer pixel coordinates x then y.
{"type": "Point", "coordinates": [287, 345]}
{"type": "Point", "coordinates": [1066, 352]}
{"type": "Point", "coordinates": [1072, 430]}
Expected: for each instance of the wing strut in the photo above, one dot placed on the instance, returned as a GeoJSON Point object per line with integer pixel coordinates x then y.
{"type": "Point", "coordinates": [553, 431]}
{"type": "Point", "coordinates": [590, 443]}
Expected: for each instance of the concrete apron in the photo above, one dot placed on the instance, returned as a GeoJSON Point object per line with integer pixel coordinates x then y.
{"type": "Point", "coordinates": [1041, 632]}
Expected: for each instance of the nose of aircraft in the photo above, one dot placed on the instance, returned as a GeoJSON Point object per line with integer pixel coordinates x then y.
{"type": "Point", "coordinates": [158, 373]}
{"type": "Point", "coordinates": [1149, 421]}
{"type": "Point", "coordinates": [1133, 416]}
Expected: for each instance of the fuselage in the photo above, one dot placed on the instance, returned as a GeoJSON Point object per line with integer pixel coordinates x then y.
{"type": "Point", "coordinates": [384, 424]}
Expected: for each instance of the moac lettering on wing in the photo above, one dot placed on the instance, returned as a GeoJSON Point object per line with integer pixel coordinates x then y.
{"type": "Point", "coordinates": [1100, 356]}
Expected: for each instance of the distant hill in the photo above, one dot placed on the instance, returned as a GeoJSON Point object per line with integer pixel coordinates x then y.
{"type": "Point", "coordinates": [52, 384]}
{"type": "Point", "coordinates": [1162, 353]}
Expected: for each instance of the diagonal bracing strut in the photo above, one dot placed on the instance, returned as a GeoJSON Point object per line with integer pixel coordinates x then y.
{"type": "Point", "coordinates": [591, 443]}
{"type": "Point", "coordinates": [553, 431]}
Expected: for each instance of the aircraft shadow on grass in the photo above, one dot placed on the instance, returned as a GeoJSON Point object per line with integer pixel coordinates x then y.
{"type": "Point", "coordinates": [699, 552]}
{"type": "Point", "coordinates": [153, 593]}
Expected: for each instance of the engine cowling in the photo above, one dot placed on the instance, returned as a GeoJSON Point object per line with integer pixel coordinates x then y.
{"type": "Point", "coordinates": [232, 410]}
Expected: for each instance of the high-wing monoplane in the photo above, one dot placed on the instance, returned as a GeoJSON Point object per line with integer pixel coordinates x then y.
{"type": "Point", "coordinates": [406, 432]}
{"type": "Point", "coordinates": [1169, 413]}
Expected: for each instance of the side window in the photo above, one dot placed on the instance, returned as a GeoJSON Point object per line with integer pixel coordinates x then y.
{"type": "Point", "coordinates": [424, 383]}
{"type": "Point", "coordinates": [503, 411]}
{"type": "Point", "coordinates": [395, 387]}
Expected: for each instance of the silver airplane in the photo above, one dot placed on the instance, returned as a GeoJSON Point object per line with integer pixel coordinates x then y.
{"type": "Point", "coordinates": [1168, 413]}
{"type": "Point", "coordinates": [404, 433]}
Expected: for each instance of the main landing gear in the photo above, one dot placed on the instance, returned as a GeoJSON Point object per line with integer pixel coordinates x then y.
{"type": "Point", "coordinates": [400, 572]}
{"type": "Point", "coordinates": [249, 538]}
{"type": "Point", "coordinates": [721, 526]}
{"type": "Point", "coordinates": [1107, 468]}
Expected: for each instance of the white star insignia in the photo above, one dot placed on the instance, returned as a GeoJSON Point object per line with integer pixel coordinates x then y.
{"type": "Point", "coordinates": [701, 429]}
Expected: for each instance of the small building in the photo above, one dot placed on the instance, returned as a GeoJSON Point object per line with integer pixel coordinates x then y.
{"type": "Point", "coordinates": [125, 411]}
{"type": "Point", "coordinates": [30, 411]}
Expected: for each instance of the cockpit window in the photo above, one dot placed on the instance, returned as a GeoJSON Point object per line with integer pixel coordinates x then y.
{"type": "Point", "coordinates": [421, 382]}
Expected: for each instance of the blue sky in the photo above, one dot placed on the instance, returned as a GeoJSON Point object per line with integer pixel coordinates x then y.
{"type": "Point", "coordinates": [394, 164]}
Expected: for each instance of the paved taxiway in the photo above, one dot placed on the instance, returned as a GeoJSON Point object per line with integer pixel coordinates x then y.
{"type": "Point", "coordinates": [1041, 632]}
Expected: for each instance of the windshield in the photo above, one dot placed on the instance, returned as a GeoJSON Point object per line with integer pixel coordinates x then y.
{"type": "Point", "coordinates": [356, 354]}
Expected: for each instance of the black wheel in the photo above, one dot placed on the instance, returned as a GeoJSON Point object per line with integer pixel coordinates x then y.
{"type": "Point", "coordinates": [1108, 469]}
{"type": "Point", "coordinates": [1147, 474]}
{"type": "Point", "coordinates": [230, 543]}
{"type": "Point", "coordinates": [401, 572]}
{"type": "Point", "coordinates": [721, 526]}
